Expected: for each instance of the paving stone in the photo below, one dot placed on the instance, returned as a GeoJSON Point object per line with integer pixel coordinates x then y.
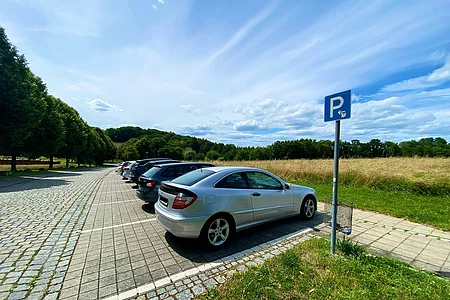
{"type": "Point", "coordinates": [185, 295]}
{"type": "Point", "coordinates": [210, 283]}
{"type": "Point", "coordinates": [198, 289]}
{"type": "Point", "coordinates": [17, 296]}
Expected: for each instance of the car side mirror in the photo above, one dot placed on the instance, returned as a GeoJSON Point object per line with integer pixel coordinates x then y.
{"type": "Point", "coordinates": [286, 186]}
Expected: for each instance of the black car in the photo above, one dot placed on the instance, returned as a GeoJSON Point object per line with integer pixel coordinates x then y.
{"type": "Point", "coordinates": [150, 181]}
{"type": "Point", "coordinates": [141, 166]}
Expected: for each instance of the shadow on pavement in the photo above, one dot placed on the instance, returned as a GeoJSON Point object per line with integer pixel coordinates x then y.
{"type": "Point", "coordinates": [32, 184]}
{"type": "Point", "coordinates": [243, 240]}
{"type": "Point", "coordinates": [149, 208]}
{"type": "Point", "coordinates": [443, 273]}
{"type": "Point", "coordinates": [40, 180]}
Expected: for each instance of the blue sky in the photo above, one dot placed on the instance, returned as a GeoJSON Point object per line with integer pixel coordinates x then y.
{"type": "Point", "coordinates": [243, 72]}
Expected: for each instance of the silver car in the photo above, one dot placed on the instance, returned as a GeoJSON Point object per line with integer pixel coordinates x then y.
{"type": "Point", "coordinates": [127, 170]}
{"type": "Point", "coordinates": [213, 203]}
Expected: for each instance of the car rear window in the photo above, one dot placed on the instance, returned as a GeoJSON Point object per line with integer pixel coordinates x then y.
{"type": "Point", "coordinates": [151, 172]}
{"type": "Point", "coordinates": [193, 177]}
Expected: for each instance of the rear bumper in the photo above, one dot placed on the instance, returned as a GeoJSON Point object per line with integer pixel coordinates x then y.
{"type": "Point", "coordinates": [149, 197]}
{"type": "Point", "coordinates": [185, 227]}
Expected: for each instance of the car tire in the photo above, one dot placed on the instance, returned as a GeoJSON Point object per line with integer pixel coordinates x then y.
{"type": "Point", "coordinates": [308, 208]}
{"type": "Point", "coordinates": [217, 232]}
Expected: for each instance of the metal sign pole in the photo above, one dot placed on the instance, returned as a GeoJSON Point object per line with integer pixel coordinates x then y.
{"type": "Point", "coordinates": [335, 186]}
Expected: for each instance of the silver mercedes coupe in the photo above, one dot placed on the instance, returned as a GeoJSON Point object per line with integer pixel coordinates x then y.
{"type": "Point", "coordinates": [213, 203]}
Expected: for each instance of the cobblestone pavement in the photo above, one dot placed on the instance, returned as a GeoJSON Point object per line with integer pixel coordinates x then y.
{"type": "Point", "coordinates": [123, 251]}
{"type": "Point", "coordinates": [39, 218]}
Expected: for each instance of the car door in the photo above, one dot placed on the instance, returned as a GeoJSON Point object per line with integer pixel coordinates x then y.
{"type": "Point", "coordinates": [269, 199]}
{"type": "Point", "coordinates": [233, 193]}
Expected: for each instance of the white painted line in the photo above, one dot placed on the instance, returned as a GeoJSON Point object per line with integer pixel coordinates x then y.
{"type": "Point", "coordinates": [110, 192]}
{"type": "Point", "coordinates": [116, 202]}
{"type": "Point", "coordinates": [115, 226]}
{"type": "Point", "coordinates": [177, 276]}
{"type": "Point", "coordinates": [193, 271]}
{"type": "Point", "coordinates": [145, 288]}
{"type": "Point", "coordinates": [162, 282]}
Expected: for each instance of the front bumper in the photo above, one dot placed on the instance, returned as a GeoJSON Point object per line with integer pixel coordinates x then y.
{"type": "Point", "coordinates": [185, 227]}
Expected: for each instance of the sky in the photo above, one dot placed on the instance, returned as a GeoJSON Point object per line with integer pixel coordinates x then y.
{"type": "Point", "coordinates": [243, 72]}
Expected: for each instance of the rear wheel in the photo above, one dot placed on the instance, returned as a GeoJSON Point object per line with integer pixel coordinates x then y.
{"type": "Point", "coordinates": [217, 232]}
{"type": "Point", "coordinates": [308, 209]}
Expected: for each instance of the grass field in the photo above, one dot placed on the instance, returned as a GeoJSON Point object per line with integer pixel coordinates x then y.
{"type": "Point", "coordinates": [309, 271]}
{"type": "Point", "coordinates": [35, 168]}
{"type": "Point", "coordinates": [421, 175]}
{"type": "Point", "coordinates": [414, 188]}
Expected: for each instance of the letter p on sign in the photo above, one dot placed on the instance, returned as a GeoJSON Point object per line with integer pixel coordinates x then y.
{"type": "Point", "coordinates": [337, 106]}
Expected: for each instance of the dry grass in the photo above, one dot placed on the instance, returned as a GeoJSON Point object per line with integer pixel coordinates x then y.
{"type": "Point", "coordinates": [377, 173]}
{"type": "Point", "coordinates": [414, 169]}
{"type": "Point", "coordinates": [31, 167]}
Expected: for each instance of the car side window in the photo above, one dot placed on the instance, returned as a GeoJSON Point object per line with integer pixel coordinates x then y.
{"type": "Point", "coordinates": [180, 171]}
{"type": "Point", "coordinates": [170, 172]}
{"type": "Point", "coordinates": [188, 168]}
{"type": "Point", "coordinates": [233, 181]}
{"type": "Point", "coordinates": [258, 180]}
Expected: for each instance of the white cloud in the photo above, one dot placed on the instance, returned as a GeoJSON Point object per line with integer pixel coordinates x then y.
{"type": "Point", "coordinates": [154, 7]}
{"type": "Point", "coordinates": [249, 125]}
{"type": "Point", "coordinates": [441, 74]}
{"type": "Point", "coordinates": [190, 109]}
{"type": "Point", "coordinates": [102, 106]}
{"type": "Point", "coordinates": [435, 78]}
{"type": "Point", "coordinates": [198, 129]}
{"type": "Point", "coordinates": [161, 1]}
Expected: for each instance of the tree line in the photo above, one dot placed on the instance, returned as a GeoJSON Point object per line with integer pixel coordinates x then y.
{"type": "Point", "coordinates": [34, 123]}
{"type": "Point", "coordinates": [139, 143]}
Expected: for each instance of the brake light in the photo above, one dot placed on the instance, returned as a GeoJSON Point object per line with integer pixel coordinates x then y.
{"type": "Point", "coordinates": [126, 168]}
{"type": "Point", "coordinates": [183, 200]}
{"type": "Point", "coordinates": [150, 184]}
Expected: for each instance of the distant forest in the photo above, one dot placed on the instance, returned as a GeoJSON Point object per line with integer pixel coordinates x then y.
{"type": "Point", "coordinates": [139, 143]}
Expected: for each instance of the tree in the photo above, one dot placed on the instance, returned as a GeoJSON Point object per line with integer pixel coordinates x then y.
{"type": "Point", "coordinates": [189, 154]}
{"type": "Point", "coordinates": [130, 152]}
{"type": "Point", "coordinates": [392, 149]}
{"type": "Point", "coordinates": [212, 155]}
{"type": "Point", "coordinates": [21, 99]}
{"type": "Point", "coordinates": [48, 137]}
{"type": "Point", "coordinates": [75, 137]}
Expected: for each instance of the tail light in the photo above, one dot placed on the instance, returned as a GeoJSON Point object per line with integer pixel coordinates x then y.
{"type": "Point", "coordinates": [183, 200]}
{"type": "Point", "coordinates": [126, 168]}
{"type": "Point", "coordinates": [150, 184]}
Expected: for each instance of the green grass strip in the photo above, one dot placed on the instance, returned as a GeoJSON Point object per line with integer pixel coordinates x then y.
{"type": "Point", "coordinates": [309, 271]}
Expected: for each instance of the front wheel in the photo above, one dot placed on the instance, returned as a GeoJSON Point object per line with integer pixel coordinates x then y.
{"type": "Point", "coordinates": [308, 209]}
{"type": "Point", "coordinates": [217, 232]}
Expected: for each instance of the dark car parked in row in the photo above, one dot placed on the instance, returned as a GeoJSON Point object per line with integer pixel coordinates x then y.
{"type": "Point", "coordinates": [150, 181]}
{"type": "Point", "coordinates": [141, 166]}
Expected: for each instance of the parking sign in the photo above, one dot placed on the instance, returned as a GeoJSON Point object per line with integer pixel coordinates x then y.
{"type": "Point", "coordinates": [338, 106]}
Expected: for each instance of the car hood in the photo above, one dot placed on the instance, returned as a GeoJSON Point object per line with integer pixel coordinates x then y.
{"type": "Point", "coordinates": [297, 187]}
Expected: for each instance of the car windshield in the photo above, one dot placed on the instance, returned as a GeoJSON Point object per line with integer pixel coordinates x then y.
{"type": "Point", "coordinates": [151, 172]}
{"type": "Point", "coordinates": [193, 177]}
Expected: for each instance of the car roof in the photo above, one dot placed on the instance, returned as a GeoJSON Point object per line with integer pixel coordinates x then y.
{"type": "Point", "coordinates": [155, 162]}
{"type": "Point", "coordinates": [184, 164]}
{"type": "Point", "coordinates": [232, 168]}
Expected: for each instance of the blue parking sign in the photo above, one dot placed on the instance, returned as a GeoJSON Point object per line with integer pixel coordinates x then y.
{"type": "Point", "coordinates": [337, 106]}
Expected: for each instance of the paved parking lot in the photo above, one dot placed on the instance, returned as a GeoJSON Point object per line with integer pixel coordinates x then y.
{"type": "Point", "coordinates": [85, 235]}
{"type": "Point", "coordinates": [39, 216]}
{"type": "Point", "coordinates": [121, 246]}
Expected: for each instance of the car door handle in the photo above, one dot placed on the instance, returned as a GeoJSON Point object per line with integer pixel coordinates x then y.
{"type": "Point", "coordinates": [256, 194]}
